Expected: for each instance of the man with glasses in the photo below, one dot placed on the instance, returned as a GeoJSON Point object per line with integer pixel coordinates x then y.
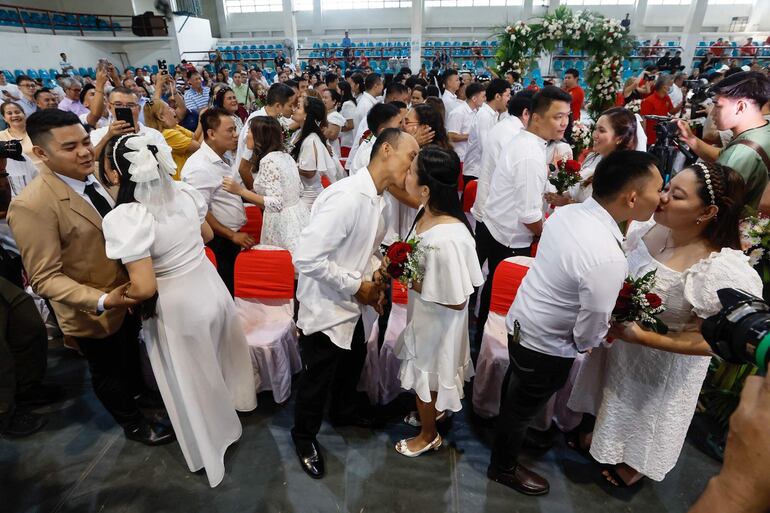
{"type": "Point", "coordinates": [123, 98]}
{"type": "Point", "coordinates": [71, 101]}
{"type": "Point", "coordinates": [27, 87]}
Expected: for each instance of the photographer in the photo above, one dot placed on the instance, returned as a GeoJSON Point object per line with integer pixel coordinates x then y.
{"type": "Point", "coordinates": [743, 484]}
{"type": "Point", "coordinates": [738, 102]}
{"type": "Point", "coordinates": [658, 104]}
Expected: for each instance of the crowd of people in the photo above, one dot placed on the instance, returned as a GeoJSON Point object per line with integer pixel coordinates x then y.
{"type": "Point", "coordinates": [121, 182]}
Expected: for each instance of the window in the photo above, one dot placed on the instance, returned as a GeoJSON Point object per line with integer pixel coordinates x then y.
{"type": "Point", "coordinates": [670, 2]}
{"type": "Point", "coordinates": [730, 2]}
{"type": "Point", "coordinates": [599, 2]}
{"type": "Point", "coordinates": [471, 3]}
{"type": "Point", "coordinates": [243, 6]}
{"type": "Point", "coordinates": [332, 5]}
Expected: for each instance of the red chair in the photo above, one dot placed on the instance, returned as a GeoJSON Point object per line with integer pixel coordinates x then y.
{"type": "Point", "coordinates": [325, 181]}
{"type": "Point", "coordinates": [492, 363]}
{"type": "Point", "coordinates": [253, 224]}
{"type": "Point", "coordinates": [264, 298]}
{"type": "Point", "coordinates": [469, 196]}
{"type": "Point", "coordinates": [460, 183]}
{"type": "Point", "coordinates": [211, 256]}
{"type": "Point", "coordinates": [399, 293]}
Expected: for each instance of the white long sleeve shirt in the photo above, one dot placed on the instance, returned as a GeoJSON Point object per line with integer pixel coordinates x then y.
{"type": "Point", "coordinates": [516, 190]}
{"type": "Point", "coordinates": [483, 121]}
{"type": "Point", "coordinates": [566, 299]}
{"type": "Point", "coordinates": [459, 121]}
{"type": "Point", "coordinates": [338, 249]}
{"type": "Point", "coordinates": [498, 139]}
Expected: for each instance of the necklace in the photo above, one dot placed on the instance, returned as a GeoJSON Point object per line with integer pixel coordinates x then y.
{"type": "Point", "coordinates": [666, 246]}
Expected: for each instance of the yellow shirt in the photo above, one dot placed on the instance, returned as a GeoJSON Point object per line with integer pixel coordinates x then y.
{"type": "Point", "coordinates": [178, 138]}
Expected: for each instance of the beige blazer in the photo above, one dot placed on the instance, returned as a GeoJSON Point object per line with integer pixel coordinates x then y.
{"type": "Point", "coordinates": [60, 238]}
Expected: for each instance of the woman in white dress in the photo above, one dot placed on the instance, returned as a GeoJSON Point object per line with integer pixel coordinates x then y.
{"type": "Point", "coordinates": [434, 347]}
{"type": "Point", "coordinates": [277, 186]}
{"type": "Point", "coordinates": [348, 112]}
{"type": "Point", "coordinates": [335, 122]}
{"type": "Point", "coordinates": [644, 387]}
{"type": "Point", "coordinates": [614, 130]}
{"type": "Point", "coordinates": [311, 152]}
{"type": "Point", "coordinates": [196, 346]}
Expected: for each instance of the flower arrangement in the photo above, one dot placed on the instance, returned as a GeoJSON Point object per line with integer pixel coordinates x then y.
{"type": "Point", "coordinates": [288, 139]}
{"type": "Point", "coordinates": [755, 241]}
{"type": "Point", "coordinates": [566, 175]}
{"type": "Point", "coordinates": [635, 106]}
{"type": "Point", "coordinates": [637, 303]}
{"type": "Point", "coordinates": [582, 137]}
{"type": "Point", "coordinates": [402, 261]}
{"type": "Point", "coordinates": [603, 39]}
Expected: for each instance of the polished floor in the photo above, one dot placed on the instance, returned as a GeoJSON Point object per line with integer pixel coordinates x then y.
{"type": "Point", "coordinates": [81, 462]}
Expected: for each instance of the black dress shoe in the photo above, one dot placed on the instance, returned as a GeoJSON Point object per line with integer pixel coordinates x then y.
{"type": "Point", "coordinates": [310, 458]}
{"type": "Point", "coordinates": [520, 479]}
{"type": "Point", "coordinates": [149, 433]}
{"type": "Point", "coordinates": [39, 395]}
{"type": "Point", "coordinates": [21, 424]}
{"type": "Point", "coordinates": [357, 420]}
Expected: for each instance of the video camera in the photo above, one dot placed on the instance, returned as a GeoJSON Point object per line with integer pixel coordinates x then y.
{"type": "Point", "coordinates": [740, 332]}
{"type": "Point", "coordinates": [700, 92]}
{"type": "Point", "coordinates": [11, 150]}
{"type": "Point", "coordinates": [667, 144]}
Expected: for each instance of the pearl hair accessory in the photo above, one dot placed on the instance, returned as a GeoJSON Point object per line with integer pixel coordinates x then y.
{"type": "Point", "coordinates": [707, 175]}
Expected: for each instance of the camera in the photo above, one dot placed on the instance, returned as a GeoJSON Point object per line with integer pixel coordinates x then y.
{"type": "Point", "coordinates": [667, 145]}
{"type": "Point", "coordinates": [11, 150]}
{"type": "Point", "coordinates": [700, 92]}
{"type": "Point", "coordinates": [740, 332]}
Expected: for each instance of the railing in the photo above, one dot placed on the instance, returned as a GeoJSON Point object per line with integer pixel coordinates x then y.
{"type": "Point", "coordinates": [28, 18]}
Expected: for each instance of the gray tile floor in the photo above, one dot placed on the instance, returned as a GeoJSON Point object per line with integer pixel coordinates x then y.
{"type": "Point", "coordinates": [80, 462]}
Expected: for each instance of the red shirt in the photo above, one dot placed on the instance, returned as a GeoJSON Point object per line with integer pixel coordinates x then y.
{"type": "Point", "coordinates": [716, 49]}
{"type": "Point", "coordinates": [748, 50]}
{"type": "Point", "coordinates": [656, 106]}
{"type": "Point", "coordinates": [578, 95]}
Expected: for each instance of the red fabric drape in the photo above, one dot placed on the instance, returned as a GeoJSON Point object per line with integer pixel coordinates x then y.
{"type": "Point", "coordinates": [264, 274]}
{"type": "Point", "coordinates": [505, 284]}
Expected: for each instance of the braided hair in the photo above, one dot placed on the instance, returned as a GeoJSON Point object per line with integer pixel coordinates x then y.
{"type": "Point", "coordinates": [728, 189]}
{"type": "Point", "coordinates": [439, 169]}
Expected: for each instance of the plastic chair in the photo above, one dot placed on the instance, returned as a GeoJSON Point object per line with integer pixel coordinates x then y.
{"type": "Point", "coordinates": [211, 256]}
{"type": "Point", "coordinates": [492, 363]}
{"type": "Point", "coordinates": [264, 298]}
{"type": "Point", "coordinates": [253, 224]}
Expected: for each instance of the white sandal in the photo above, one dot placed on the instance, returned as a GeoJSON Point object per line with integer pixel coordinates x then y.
{"type": "Point", "coordinates": [413, 418]}
{"type": "Point", "coordinates": [402, 448]}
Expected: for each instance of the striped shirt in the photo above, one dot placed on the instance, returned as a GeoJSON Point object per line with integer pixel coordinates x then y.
{"type": "Point", "coordinates": [196, 101]}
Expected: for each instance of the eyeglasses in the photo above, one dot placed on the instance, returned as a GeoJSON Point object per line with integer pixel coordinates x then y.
{"type": "Point", "coordinates": [28, 85]}
{"type": "Point", "coordinates": [132, 106]}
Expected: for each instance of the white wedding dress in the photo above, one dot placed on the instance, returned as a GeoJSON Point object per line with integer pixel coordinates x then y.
{"type": "Point", "coordinates": [434, 347]}
{"type": "Point", "coordinates": [196, 346]}
{"type": "Point", "coordinates": [644, 398]}
{"type": "Point", "coordinates": [285, 214]}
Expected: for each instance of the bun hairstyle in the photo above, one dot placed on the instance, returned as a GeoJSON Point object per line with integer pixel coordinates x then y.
{"type": "Point", "coordinates": [728, 191]}
{"type": "Point", "coordinates": [623, 123]}
{"type": "Point", "coordinates": [439, 170]}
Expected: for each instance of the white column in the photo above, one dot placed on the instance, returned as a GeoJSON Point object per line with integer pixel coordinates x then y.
{"type": "Point", "coordinates": [638, 16]}
{"type": "Point", "coordinates": [692, 27]}
{"type": "Point", "coordinates": [553, 5]}
{"type": "Point", "coordinates": [290, 28]}
{"type": "Point", "coordinates": [415, 50]}
{"type": "Point", "coordinates": [318, 21]}
{"type": "Point", "coordinates": [759, 19]}
{"type": "Point", "coordinates": [526, 10]}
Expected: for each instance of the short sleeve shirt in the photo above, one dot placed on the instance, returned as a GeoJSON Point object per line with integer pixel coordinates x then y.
{"type": "Point", "coordinates": [748, 162]}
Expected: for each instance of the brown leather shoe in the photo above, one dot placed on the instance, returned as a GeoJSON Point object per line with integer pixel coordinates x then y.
{"type": "Point", "coordinates": [520, 479]}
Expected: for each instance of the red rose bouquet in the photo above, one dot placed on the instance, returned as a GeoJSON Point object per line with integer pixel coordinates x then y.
{"type": "Point", "coordinates": [402, 261]}
{"type": "Point", "coordinates": [566, 175]}
{"type": "Point", "coordinates": [636, 303]}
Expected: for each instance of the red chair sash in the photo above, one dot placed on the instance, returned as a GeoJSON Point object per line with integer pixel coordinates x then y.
{"type": "Point", "coordinates": [264, 274]}
{"type": "Point", "coordinates": [325, 181]}
{"type": "Point", "coordinates": [211, 256]}
{"type": "Point", "coordinates": [253, 224]}
{"type": "Point", "coordinates": [505, 284]}
{"type": "Point", "coordinates": [460, 180]}
{"type": "Point", "coordinates": [469, 196]}
{"type": "Point", "coordinates": [399, 293]}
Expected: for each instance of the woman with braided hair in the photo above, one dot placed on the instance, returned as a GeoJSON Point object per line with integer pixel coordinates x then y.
{"type": "Point", "coordinates": [434, 346]}
{"type": "Point", "coordinates": [197, 348]}
{"type": "Point", "coordinates": [643, 387]}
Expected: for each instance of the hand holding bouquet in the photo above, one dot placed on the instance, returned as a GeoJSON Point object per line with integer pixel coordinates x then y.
{"type": "Point", "coordinates": [566, 175]}
{"type": "Point", "coordinates": [636, 303]}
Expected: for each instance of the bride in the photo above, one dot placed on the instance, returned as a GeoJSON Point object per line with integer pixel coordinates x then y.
{"type": "Point", "coordinates": [198, 351]}
{"type": "Point", "coordinates": [643, 389]}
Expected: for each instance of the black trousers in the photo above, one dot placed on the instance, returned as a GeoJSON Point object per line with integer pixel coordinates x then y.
{"type": "Point", "coordinates": [531, 380]}
{"type": "Point", "coordinates": [23, 344]}
{"type": "Point", "coordinates": [116, 374]}
{"type": "Point", "coordinates": [327, 368]}
{"type": "Point", "coordinates": [494, 253]}
{"type": "Point", "coordinates": [226, 252]}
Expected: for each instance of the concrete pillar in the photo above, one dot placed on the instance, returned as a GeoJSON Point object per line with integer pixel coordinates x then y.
{"type": "Point", "coordinates": [415, 55]}
{"type": "Point", "coordinates": [553, 5]}
{"type": "Point", "coordinates": [759, 19]}
{"type": "Point", "coordinates": [637, 17]}
{"type": "Point", "coordinates": [290, 28]}
{"type": "Point", "coordinates": [318, 21]}
{"type": "Point", "coordinates": [527, 9]}
{"type": "Point", "coordinates": [692, 28]}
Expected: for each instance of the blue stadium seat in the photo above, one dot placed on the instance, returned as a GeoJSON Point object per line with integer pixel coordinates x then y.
{"type": "Point", "coordinates": [9, 76]}
{"type": "Point", "coordinates": [172, 69]}
{"type": "Point", "coordinates": [31, 73]}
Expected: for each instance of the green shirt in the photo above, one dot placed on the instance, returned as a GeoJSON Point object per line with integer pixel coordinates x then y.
{"type": "Point", "coordinates": [748, 163]}
{"type": "Point", "coordinates": [243, 94]}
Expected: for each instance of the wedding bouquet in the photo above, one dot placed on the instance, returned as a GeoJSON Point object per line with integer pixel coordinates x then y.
{"type": "Point", "coordinates": [566, 175]}
{"type": "Point", "coordinates": [582, 137]}
{"type": "Point", "coordinates": [636, 303]}
{"type": "Point", "coordinates": [402, 261]}
{"type": "Point", "coordinates": [635, 106]}
{"type": "Point", "coordinates": [288, 139]}
{"type": "Point", "coordinates": [755, 242]}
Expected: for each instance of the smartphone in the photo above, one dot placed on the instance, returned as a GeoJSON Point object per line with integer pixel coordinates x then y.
{"type": "Point", "coordinates": [162, 66]}
{"type": "Point", "coordinates": [124, 114]}
{"type": "Point", "coordinates": [103, 64]}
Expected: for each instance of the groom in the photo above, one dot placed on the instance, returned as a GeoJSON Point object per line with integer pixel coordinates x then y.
{"type": "Point", "coordinates": [564, 303]}
{"type": "Point", "coordinates": [57, 224]}
{"type": "Point", "coordinates": [336, 259]}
